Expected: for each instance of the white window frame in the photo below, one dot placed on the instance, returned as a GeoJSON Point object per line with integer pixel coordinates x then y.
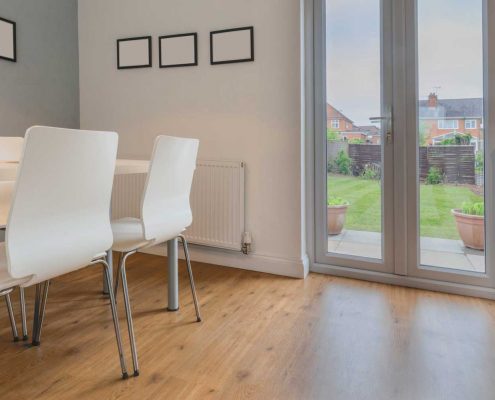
{"type": "Point", "coordinates": [441, 124]}
{"type": "Point", "coordinates": [335, 123]}
{"type": "Point", "coordinates": [470, 122]}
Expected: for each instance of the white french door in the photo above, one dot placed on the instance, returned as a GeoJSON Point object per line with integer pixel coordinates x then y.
{"type": "Point", "coordinates": [404, 137]}
{"type": "Point", "coordinates": [355, 121]}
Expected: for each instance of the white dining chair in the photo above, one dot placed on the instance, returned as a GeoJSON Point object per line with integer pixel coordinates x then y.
{"type": "Point", "coordinates": [10, 151]}
{"type": "Point", "coordinates": [10, 148]}
{"type": "Point", "coordinates": [7, 285]}
{"type": "Point", "coordinates": [165, 214]}
{"type": "Point", "coordinates": [59, 220]}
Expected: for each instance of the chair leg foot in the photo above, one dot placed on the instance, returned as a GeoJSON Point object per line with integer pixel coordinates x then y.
{"type": "Point", "coordinates": [125, 376]}
{"type": "Point", "coordinates": [136, 373]}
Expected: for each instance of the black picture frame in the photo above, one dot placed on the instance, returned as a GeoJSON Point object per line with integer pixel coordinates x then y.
{"type": "Point", "coordinates": [212, 56]}
{"type": "Point", "coordinates": [14, 38]}
{"type": "Point", "coordinates": [165, 37]}
{"type": "Point", "coordinates": [150, 61]}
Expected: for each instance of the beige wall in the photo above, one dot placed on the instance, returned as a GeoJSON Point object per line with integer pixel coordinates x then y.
{"type": "Point", "coordinates": [246, 111]}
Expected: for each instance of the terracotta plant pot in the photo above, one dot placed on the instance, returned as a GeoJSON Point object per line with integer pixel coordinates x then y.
{"type": "Point", "coordinates": [471, 229]}
{"type": "Point", "coordinates": [336, 219]}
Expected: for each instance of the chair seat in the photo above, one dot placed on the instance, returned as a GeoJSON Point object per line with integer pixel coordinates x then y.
{"type": "Point", "coordinates": [128, 235]}
{"type": "Point", "coordinates": [6, 281]}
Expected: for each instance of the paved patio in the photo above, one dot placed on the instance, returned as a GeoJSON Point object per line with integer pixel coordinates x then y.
{"type": "Point", "coordinates": [445, 253]}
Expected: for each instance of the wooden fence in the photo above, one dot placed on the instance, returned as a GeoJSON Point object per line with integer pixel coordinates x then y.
{"type": "Point", "coordinates": [456, 163]}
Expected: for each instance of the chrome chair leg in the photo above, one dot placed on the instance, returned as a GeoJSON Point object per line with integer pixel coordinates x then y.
{"type": "Point", "coordinates": [116, 284]}
{"type": "Point", "coordinates": [191, 278]}
{"type": "Point", "coordinates": [115, 317]}
{"type": "Point", "coordinates": [39, 312]}
{"type": "Point", "coordinates": [128, 311]}
{"type": "Point", "coordinates": [11, 316]}
{"type": "Point", "coordinates": [36, 313]}
{"type": "Point", "coordinates": [22, 300]}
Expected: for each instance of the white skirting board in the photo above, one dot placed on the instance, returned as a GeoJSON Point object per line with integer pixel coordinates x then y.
{"type": "Point", "coordinates": [292, 268]}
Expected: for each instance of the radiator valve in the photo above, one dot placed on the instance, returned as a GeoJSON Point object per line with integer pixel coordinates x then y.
{"type": "Point", "coordinates": [246, 243]}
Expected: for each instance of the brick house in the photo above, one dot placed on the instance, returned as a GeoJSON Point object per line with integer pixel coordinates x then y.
{"type": "Point", "coordinates": [441, 119]}
{"type": "Point", "coordinates": [347, 130]}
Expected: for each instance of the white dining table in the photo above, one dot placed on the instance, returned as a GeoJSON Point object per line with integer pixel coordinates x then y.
{"type": "Point", "coordinates": [8, 172]}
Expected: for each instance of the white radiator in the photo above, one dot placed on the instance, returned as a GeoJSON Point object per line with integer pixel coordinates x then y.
{"type": "Point", "coordinates": [217, 202]}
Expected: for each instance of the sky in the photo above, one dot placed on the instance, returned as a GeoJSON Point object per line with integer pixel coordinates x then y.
{"type": "Point", "coordinates": [449, 53]}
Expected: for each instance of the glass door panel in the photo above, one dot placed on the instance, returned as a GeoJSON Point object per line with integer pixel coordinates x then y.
{"type": "Point", "coordinates": [450, 134]}
{"type": "Point", "coordinates": [355, 150]}
{"type": "Point", "coordinates": [354, 133]}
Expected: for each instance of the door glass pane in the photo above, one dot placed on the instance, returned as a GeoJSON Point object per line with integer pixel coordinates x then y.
{"type": "Point", "coordinates": [450, 134]}
{"type": "Point", "coordinates": [354, 140]}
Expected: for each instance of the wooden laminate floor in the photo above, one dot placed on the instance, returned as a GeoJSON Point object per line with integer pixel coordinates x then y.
{"type": "Point", "coordinates": [263, 337]}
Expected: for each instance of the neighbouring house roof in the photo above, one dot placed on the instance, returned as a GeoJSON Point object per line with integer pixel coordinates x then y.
{"type": "Point", "coordinates": [333, 113]}
{"type": "Point", "coordinates": [452, 108]}
{"type": "Point", "coordinates": [370, 130]}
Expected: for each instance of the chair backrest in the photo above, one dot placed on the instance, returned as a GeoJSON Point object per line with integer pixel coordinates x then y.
{"type": "Point", "coordinates": [6, 191]}
{"type": "Point", "coordinates": [165, 207]}
{"type": "Point", "coordinates": [59, 219]}
{"type": "Point", "coordinates": [11, 148]}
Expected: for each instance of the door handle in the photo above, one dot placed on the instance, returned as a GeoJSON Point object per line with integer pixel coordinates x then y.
{"type": "Point", "coordinates": [389, 136]}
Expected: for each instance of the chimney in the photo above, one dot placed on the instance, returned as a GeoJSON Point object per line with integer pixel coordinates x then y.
{"type": "Point", "coordinates": [432, 100]}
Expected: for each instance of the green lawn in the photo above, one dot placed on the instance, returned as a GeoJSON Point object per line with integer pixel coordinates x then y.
{"type": "Point", "coordinates": [436, 201]}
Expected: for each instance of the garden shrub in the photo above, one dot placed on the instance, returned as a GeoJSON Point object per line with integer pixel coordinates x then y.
{"type": "Point", "coordinates": [434, 176]}
{"type": "Point", "coordinates": [479, 162]}
{"type": "Point", "coordinates": [343, 163]}
{"type": "Point", "coordinates": [356, 141]}
{"type": "Point", "coordinates": [371, 172]}
{"type": "Point", "coordinates": [332, 136]}
{"type": "Point", "coordinates": [458, 139]}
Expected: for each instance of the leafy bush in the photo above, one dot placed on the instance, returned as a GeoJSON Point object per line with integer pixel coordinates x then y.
{"type": "Point", "coordinates": [356, 141]}
{"type": "Point", "coordinates": [332, 135]}
{"type": "Point", "coordinates": [458, 139]}
{"type": "Point", "coordinates": [434, 176]}
{"type": "Point", "coordinates": [337, 201]}
{"type": "Point", "coordinates": [473, 208]}
{"type": "Point", "coordinates": [479, 162]}
{"type": "Point", "coordinates": [371, 172]}
{"type": "Point", "coordinates": [343, 163]}
{"type": "Point", "coordinates": [424, 134]}
{"type": "Point", "coordinates": [330, 166]}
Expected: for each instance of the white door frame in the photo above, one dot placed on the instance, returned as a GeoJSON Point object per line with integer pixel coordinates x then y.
{"type": "Point", "coordinates": [406, 256]}
{"type": "Point", "coordinates": [386, 264]}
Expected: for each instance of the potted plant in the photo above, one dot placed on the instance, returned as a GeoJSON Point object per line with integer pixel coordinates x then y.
{"type": "Point", "coordinates": [470, 221]}
{"type": "Point", "coordinates": [336, 210]}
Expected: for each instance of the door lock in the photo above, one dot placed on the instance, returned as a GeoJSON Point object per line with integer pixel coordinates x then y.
{"type": "Point", "coordinates": [389, 137]}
